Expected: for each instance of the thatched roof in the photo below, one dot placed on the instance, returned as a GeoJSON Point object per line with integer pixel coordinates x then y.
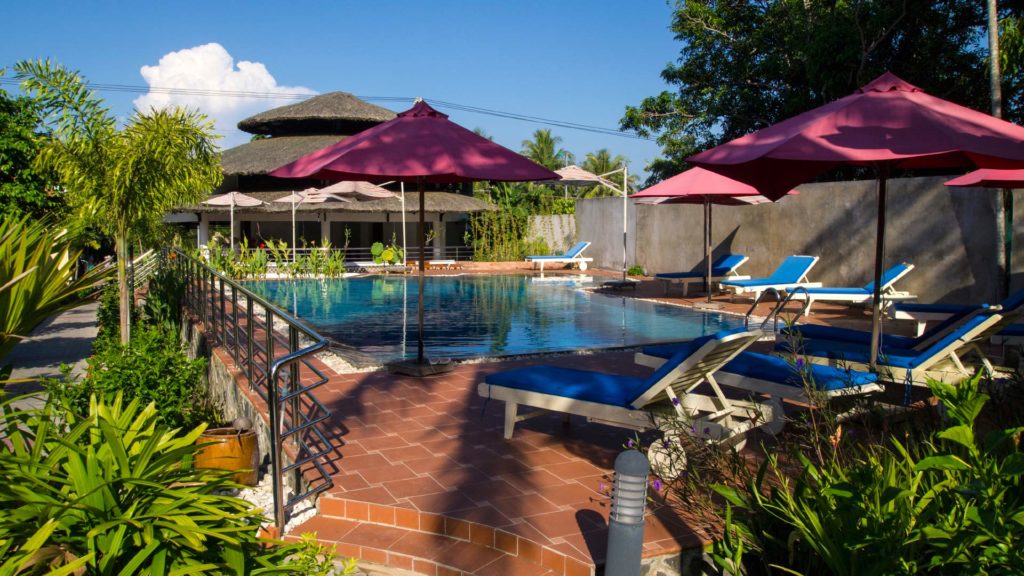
{"type": "Point", "coordinates": [436, 202]}
{"type": "Point", "coordinates": [262, 156]}
{"type": "Point", "coordinates": [331, 113]}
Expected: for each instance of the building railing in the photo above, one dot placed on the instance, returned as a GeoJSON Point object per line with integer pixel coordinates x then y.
{"type": "Point", "coordinates": [274, 350]}
{"type": "Point", "coordinates": [362, 253]}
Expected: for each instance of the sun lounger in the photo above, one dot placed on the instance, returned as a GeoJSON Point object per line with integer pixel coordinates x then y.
{"type": "Point", "coordinates": [913, 361]}
{"type": "Point", "coordinates": [922, 314]}
{"type": "Point", "coordinates": [443, 264]}
{"type": "Point", "coordinates": [722, 269]}
{"type": "Point", "coordinates": [862, 295]}
{"type": "Point", "coordinates": [790, 274]}
{"type": "Point", "coordinates": [765, 374]}
{"type": "Point", "coordinates": [627, 401]}
{"type": "Point", "coordinates": [570, 257]}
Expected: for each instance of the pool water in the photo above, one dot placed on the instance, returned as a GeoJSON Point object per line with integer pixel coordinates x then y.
{"type": "Point", "coordinates": [473, 316]}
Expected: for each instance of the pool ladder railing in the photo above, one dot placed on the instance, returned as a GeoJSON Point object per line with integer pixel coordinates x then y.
{"type": "Point", "coordinates": [780, 304]}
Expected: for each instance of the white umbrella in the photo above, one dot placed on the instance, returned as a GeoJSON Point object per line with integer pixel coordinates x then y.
{"type": "Point", "coordinates": [362, 188]}
{"type": "Point", "coordinates": [307, 196]}
{"type": "Point", "coordinates": [232, 199]}
{"type": "Point", "coordinates": [573, 175]}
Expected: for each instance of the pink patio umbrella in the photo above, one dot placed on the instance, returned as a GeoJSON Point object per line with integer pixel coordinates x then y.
{"type": "Point", "coordinates": [996, 178]}
{"type": "Point", "coordinates": [989, 178]}
{"type": "Point", "coordinates": [700, 186]}
{"type": "Point", "coordinates": [354, 187]}
{"type": "Point", "coordinates": [232, 199]}
{"type": "Point", "coordinates": [420, 145]}
{"type": "Point", "coordinates": [887, 124]}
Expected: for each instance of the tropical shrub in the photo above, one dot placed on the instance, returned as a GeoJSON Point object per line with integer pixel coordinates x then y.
{"type": "Point", "coordinates": [951, 504]}
{"type": "Point", "coordinates": [387, 254]}
{"type": "Point", "coordinates": [636, 270]}
{"type": "Point", "coordinates": [154, 367]}
{"type": "Point", "coordinates": [113, 491]}
{"type": "Point", "coordinates": [37, 276]}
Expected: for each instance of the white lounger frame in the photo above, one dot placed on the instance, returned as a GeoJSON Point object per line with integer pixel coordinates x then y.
{"type": "Point", "coordinates": [888, 295]}
{"type": "Point", "coordinates": [945, 366]}
{"type": "Point", "coordinates": [713, 416]}
{"type": "Point", "coordinates": [759, 386]}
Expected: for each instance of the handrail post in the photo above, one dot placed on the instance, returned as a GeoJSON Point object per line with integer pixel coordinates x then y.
{"type": "Point", "coordinates": [250, 365]}
{"type": "Point", "coordinates": [223, 317]}
{"type": "Point", "coordinates": [235, 348]}
{"type": "Point", "coordinates": [275, 449]}
{"type": "Point", "coordinates": [294, 383]}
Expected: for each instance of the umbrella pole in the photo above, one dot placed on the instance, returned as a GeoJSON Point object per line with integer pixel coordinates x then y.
{"type": "Point", "coordinates": [294, 255]}
{"type": "Point", "coordinates": [231, 224]}
{"type": "Point", "coordinates": [625, 217]}
{"type": "Point", "coordinates": [707, 246]}
{"type": "Point", "coordinates": [419, 306]}
{"type": "Point", "coordinates": [405, 248]}
{"type": "Point", "coordinates": [882, 170]}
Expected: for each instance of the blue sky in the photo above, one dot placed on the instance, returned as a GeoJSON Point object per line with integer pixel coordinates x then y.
{"type": "Point", "coordinates": [575, 61]}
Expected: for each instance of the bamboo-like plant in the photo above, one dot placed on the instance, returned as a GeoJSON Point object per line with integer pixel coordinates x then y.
{"type": "Point", "coordinates": [37, 277]}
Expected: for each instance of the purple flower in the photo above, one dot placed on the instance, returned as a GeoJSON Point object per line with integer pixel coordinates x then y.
{"type": "Point", "coordinates": [631, 444]}
{"type": "Point", "coordinates": [707, 430]}
{"type": "Point", "coordinates": [675, 402]}
{"type": "Point", "coordinates": [601, 487]}
{"type": "Point", "coordinates": [799, 363]}
{"type": "Point", "coordinates": [657, 485]}
{"type": "Point", "coordinates": [665, 444]}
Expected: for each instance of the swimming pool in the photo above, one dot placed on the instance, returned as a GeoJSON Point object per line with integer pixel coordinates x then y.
{"type": "Point", "coordinates": [473, 316]}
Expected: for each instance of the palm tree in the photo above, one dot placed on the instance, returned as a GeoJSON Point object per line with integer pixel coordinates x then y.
{"type": "Point", "coordinates": [543, 149]}
{"type": "Point", "coordinates": [602, 162]}
{"type": "Point", "coordinates": [123, 180]}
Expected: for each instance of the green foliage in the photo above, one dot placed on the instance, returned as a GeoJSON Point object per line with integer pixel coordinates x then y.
{"type": "Point", "coordinates": [544, 150]}
{"type": "Point", "coordinates": [37, 276]}
{"type": "Point", "coordinates": [952, 504]}
{"type": "Point", "coordinates": [113, 491]}
{"type": "Point", "coordinates": [390, 254]}
{"type": "Point", "coordinates": [636, 270]}
{"type": "Point", "coordinates": [152, 368]}
{"type": "Point", "coordinates": [121, 180]}
{"type": "Point", "coordinates": [600, 163]}
{"type": "Point", "coordinates": [247, 262]}
{"type": "Point", "coordinates": [747, 64]}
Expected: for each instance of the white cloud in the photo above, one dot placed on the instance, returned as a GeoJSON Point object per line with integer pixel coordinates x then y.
{"type": "Point", "coordinates": [210, 68]}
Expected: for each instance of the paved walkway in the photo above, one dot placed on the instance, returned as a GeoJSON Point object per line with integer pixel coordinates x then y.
{"type": "Point", "coordinates": [65, 338]}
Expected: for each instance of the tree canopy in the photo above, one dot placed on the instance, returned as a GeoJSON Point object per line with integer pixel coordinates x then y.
{"type": "Point", "coordinates": [747, 64]}
{"type": "Point", "coordinates": [23, 188]}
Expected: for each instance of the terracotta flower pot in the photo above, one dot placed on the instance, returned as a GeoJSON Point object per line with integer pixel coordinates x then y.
{"type": "Point", "coordinates": [230, 449]}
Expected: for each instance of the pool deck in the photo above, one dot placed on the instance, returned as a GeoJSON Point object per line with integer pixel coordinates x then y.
{"type": "Point", "coordinates": [424, 480]}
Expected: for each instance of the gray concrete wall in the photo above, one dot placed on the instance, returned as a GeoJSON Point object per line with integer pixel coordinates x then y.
{"type": "Point", "coordinates": [948, 234]}
{"type": "Point", "coordinates": [599, 221]}
{"type": "Point", "coordinates": [557, 230]}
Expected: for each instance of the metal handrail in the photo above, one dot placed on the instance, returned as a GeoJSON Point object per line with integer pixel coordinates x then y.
{"type": "Point", "coordinates": [208, 294]}
{"type": "Point", "coordinates": [782, 306]}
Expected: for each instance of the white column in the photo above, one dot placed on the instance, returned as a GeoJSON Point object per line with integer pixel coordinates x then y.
{"type": "Point", "coordinates": [325, 229]}
{"type": "Point", "coordinates": [439, 239]}
{"type": "Point", "coordinates": [204, 228]}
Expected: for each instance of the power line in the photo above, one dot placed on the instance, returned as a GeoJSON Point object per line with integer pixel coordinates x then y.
{"type": "Point", "coordinates": [135, 89]}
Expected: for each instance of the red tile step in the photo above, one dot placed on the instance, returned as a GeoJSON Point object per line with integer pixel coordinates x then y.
{"type": "Point", "coordinates": [419, 552]}
{"type": "Point", "coordinates": [431, 543]}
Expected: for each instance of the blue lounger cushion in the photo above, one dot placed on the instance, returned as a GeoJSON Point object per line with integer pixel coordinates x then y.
{"type": "Point", "coordinates": [778, 370]}
{"type": "Point", "coordinates": [598, 387]}
{"type": "Point", "coordinates": [792, 269]}
{"type": "Point", "coordinates": [840, 291]}
{"type": "Point", "coordinates": [819, 332]}
{"type": "Point", "coordinates": [775, 369]}
{"type": "Point", "coordinates": [721, 267]}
